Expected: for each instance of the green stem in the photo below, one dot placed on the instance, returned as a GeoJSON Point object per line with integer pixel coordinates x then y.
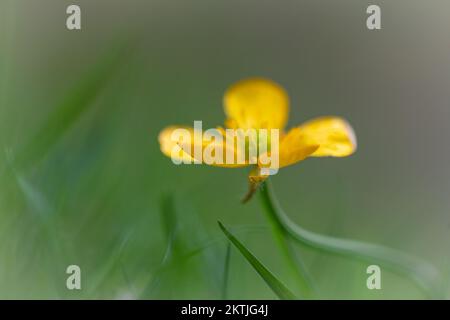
{"type": "Point", "coordinates": [420, 271]}
{"type": "Point", "coordinates": [296, 266]}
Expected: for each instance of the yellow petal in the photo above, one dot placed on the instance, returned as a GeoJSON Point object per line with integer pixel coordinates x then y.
{"type": "Point", "coordinates": [213, 149]}
{"type": "Point", "coordinates": [169, 145]}
{"type": "Point", "coordinates": [256, 103]}
{"type": "Point", "coordinates": [294, 147]}
{"type": "Point", "coordinates": [334, 136]}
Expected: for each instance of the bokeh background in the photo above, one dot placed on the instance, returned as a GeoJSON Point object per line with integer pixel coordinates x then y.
{"type": "Point", "coordinates": [82, 179]}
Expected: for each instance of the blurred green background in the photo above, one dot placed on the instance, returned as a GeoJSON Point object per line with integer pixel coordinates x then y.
{"type": "Point", "coordinates": [82, 178]}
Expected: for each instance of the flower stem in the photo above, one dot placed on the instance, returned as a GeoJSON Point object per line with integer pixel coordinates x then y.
{"type": "Point", "coordinates": [421, 272]}
{"type": "Point", "coordinates": [282, 237]}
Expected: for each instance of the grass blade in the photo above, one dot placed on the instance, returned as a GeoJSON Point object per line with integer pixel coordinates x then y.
{"type": "Point", "coordinates": [295, 266]}
{"type": "Point", "coordinates": [276, 285]}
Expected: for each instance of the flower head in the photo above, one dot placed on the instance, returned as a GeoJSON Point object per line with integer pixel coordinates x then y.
{"type": "Point", "coordinates": [259, 103]}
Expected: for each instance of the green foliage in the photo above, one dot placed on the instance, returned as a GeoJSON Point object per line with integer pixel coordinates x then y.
{"type": "Point", "coordinates": [276, 285]}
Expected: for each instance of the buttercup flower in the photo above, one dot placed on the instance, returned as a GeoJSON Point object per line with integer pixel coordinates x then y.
{"type": "Point", "coordinates": [259, 103]}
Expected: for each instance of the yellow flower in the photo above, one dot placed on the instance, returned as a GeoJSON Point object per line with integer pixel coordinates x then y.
{"type": "Point", "coordinates": [259, 103]}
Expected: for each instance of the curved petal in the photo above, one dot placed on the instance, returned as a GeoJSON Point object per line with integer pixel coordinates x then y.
{"type": "Point", "coordinates": [334, 136]}
{"type": "Point", "coordinates": [169, 145]}
{"type": "Point", "coordinates": [294, 147]}
{"type": "Point", "coordinates": [256, 103]}
{"type": "Point", "coordinates": [186, 145]}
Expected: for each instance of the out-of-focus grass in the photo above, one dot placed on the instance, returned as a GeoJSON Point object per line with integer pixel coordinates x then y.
{"type": "Point", "coordinates": [424, 274]}
{"type": "Point", "coordinates": [19, 192]}
{"type": "Point", "coordinates": [66, 114]}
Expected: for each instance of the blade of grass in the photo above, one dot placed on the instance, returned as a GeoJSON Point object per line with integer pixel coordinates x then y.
{"type": "Point", "coordinates": [43, 210]}
{"type": "Point", "coordinates": [200, 249]}
{"type": "Point", "coordinates": [175, 246]}
{"type": "Point", "coordinates": [170, 224]}
{"type": "Point", "coordinates": [109, 266]}
{"type": "Point", "coordinates": [276, 285]}
{"type": "Point", "coordinates": [421, 272]}
{"type": "Point", "coordinates": [296, 266]}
